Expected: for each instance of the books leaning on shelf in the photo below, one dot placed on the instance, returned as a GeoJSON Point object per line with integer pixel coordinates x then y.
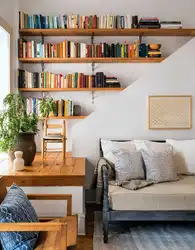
{"type": "Point", "coordinates": [62, 107]}
{"type": "Point", "coordinates": [76, 80]}
{"type": "Point", "coordinates": [69, 49]}
{"type": "Point", "coordinates": [65, 21]}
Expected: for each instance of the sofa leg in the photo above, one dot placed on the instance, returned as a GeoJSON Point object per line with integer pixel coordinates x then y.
{"type": "Point", "coordinates": [105, 231]}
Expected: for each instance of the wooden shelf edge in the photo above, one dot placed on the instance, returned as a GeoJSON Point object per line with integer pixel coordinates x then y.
{"type": "Point", "coordinates": [90, 60]}
{"type": "Point", "coordinates": [108, 32]}
{"type": "Point", "coordinates": [64, 117]}
{"type": "Point", "coordinates": [68, 89]}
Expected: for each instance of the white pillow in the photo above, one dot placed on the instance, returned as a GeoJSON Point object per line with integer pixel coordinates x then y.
{"type": "Point", "coordinates": [109, 146]}
{"type": "Point", "coordinates": [184, 155]}
{"type": "Point", "coordinates": [144, 144]}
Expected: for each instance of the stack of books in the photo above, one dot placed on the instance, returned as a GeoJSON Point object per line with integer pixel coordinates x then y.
{"type": "Point", "coordinates": [65, 21]}
{"type": "Point", "coordinates": [112, 82]}
{"type": "Point", "coordinates": [171, 24]}
{"type": "Point", "coordinates": [62, 107]}
{"type": "Point", "coordinates": [75, 80]}
{"type": "Point", "coordinates": [149, 23]}
{"type": "Point", "coordinates": [69, 49]}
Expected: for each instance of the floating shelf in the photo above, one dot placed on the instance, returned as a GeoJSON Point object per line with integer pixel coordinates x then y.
{"type": "Point", "coordinates": [64, 117]}
{"type": "Point", "coordinates": [108, 32]}
{"type": "Point", "coordinates": [91, 60]}
{"type": "Point", "coordinates": [68, 89]}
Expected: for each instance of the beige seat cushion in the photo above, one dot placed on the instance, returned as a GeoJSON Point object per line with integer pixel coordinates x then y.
{"type": "Point", "coordinates": [179, 195]}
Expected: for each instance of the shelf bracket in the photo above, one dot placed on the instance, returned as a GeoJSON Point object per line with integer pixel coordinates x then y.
{"type": "Point", "coordinates": [42, 63]}
{"type": "Point", "coordinates": [93, 68]}
{"type": "Point", "coordinates": [42, 66]}
{"type": "Point", "coordinates": [93, 96]}
{"type": "Point", "coordinates": [140, 38]}
{"type": "Point", "coordinates": [42, 38]}
{"type": "Point", "coordinates": [92, 38]}
{"type": "Point", "coordinates": [42, 94]}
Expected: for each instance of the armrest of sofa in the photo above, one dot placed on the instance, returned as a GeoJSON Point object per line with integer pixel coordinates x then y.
{"type": "Point", "coordinates": [105, 189]}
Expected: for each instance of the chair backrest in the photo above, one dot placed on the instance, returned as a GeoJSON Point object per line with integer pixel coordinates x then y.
{"type": "Point", "coordinates": [3, 190]}
{"type": "Point", "coordinates": [49, 126]}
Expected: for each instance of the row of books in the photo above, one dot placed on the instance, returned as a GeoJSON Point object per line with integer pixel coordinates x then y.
{"type": "Point", "coordinates": [62, 107]}
{"type": "Point", "coordinates": [66, 21]}
{"type": "Point", "coordinates": [75, 80]}
{"type": "Point", "coordinates": [69, 49]}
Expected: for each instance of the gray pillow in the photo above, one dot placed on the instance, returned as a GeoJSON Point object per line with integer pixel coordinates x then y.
{"type": "Point", "coordinates": [128, 165]}
{"type": "Point", "coordinates": [159, 164]}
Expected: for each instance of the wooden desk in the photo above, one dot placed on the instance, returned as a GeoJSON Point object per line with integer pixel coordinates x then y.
{"type": "Point", "coordinates": [53, 172]}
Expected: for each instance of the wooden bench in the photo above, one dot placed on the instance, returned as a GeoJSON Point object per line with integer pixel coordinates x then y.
{"type": "Point", "coordinates": [55, 233]}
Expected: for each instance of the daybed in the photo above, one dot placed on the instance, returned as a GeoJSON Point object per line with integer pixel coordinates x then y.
{"type": "Point", "coordinates": [173, 201]}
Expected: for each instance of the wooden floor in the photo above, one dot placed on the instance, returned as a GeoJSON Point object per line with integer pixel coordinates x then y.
{"type": "Point", "coordinates": [86, 242]}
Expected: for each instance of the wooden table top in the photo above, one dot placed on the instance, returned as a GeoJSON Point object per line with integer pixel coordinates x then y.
{"type": "Point", "coordinates": [51, 172]}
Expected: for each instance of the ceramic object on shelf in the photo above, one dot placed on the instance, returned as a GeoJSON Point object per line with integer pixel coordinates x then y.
{"type": "Point", "coordinates": [154, 46]}
{"type": "Point", "coordinates": [19, 161]}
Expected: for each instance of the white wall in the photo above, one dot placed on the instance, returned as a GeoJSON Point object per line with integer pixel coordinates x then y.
{"type": "Point", "coordinates": [125, 117]}
{"type": "Point", "coordinates": [126, 73]}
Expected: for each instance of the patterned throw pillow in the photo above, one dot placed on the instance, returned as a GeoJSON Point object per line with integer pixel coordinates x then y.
{"type": "Point", "coordinates": [128, 165]}
{"type": "Point", "coordinates": [17, 208]}
{"type": "Point", "coordinates": [109, 146]}
{"type": "Point", "coordinates": [159, 162]}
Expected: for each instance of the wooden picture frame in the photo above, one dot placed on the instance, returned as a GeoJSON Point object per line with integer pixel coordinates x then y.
{"type": "Point", "coordinates": [170, 112]}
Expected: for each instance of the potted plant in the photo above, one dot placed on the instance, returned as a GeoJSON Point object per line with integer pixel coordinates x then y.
{"type": "Point", "coordinates": [47, 107]}
{"type": "Point", "coordinates": [18, 128]}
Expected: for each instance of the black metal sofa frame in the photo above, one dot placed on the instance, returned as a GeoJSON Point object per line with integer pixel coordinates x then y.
{"type": "Point", "coordinates": [110, 215]}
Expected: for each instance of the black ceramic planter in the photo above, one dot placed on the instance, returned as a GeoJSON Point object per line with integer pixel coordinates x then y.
{"type": "Point", "coordinates": [26, 144]}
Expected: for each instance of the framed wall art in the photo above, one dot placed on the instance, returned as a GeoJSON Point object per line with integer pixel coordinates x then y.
{"type": "Point", "coordinates": [170, 112]}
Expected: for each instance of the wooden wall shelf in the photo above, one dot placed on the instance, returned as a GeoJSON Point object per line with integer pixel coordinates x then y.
{"type": "Point", "coordinates": [68, 89]}
{"type": "Point", "coordinates": [107, 32]}
{"type": "Point", "coordinates": [91, 60]}
{"type": "Point", "coordinates": [64, 117]}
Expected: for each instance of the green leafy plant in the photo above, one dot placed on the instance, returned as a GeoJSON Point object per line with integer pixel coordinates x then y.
{"type": "Point", "coordinates": [14, 120]}
{"type": "Point", "coordinates": [47, 106]}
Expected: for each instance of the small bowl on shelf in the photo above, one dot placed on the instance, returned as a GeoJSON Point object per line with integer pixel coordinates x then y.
{"type": "Point", "coordinates": [154, 46]}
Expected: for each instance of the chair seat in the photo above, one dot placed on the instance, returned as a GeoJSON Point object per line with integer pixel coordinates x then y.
{"type": "Point", "coordinates": [51, 240]}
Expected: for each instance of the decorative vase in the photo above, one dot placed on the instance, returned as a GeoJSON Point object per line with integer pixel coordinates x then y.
{"type": "Point", "coordinates": [18, 162]}
{"type": "Point", "coordinates": [26, 144]}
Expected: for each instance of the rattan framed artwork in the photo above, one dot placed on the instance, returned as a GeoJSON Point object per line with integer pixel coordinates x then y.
{"type": "Point", "coordinates": [170, 112]}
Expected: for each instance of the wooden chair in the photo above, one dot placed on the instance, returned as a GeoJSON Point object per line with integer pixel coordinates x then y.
{"type": "Point", "coordinates": [55, 233]}
{"type": "Point", "coordinates": [54, 137]}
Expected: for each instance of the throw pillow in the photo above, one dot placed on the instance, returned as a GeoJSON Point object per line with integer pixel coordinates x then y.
{"type": "Point", "coordinates": [128, 165]}
{"type": "Point", "coordinates": [109, 146]}
{"type": "Point", "coordinates": [183, 153]}
{"type": "Point", "coordinates": [143, 144]}
{"type": "Point", "coordinates": [17, 208]}
{"type": "Point", "coordinates": [158, 159]}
